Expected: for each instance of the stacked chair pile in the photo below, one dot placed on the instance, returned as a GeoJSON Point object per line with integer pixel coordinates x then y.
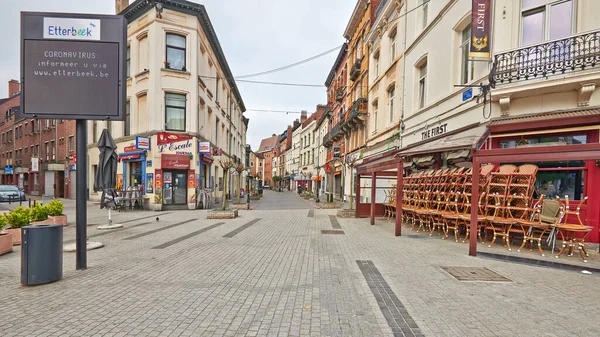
{"type": "Point", "coordinates": [440, 201]}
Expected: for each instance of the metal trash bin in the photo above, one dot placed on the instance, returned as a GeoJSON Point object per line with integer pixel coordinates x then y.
{"type": "Point", "coordinates": [41, 254]}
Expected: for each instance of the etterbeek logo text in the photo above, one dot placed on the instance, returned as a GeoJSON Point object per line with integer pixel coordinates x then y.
{"type": "Point", "coordinates": [64, 32]}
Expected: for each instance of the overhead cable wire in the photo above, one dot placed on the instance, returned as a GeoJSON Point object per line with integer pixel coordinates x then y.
{"type": "Point", "coordinates": [291, 65]}
{"type": "Point", "coordinates": [273, 83]}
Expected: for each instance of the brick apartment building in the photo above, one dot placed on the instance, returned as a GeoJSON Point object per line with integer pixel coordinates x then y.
{"type": "Point", "coordinates": [51, 141]}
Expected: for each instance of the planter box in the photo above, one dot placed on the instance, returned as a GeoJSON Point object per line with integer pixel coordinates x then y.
{"type": "Point", "coordinates": [6, 244]}
{"type": "Point", "coordinates": [255, 197]}
{"type": "Point", "coordinates": [16, 235]}
{"type": "Point", "coordinates": [346, 213]}
{"type": "Point", "coordinates": [191, 205]}
{"type": "Point", "coordinates": [244, 206]}
{"type": "Point", "coordinates": [156, 207]}
{"type": "Point", "coordinates": [59, 220]}
{"type": "Point", "coordinates": [226, 214]}
{"type": "Point", "coordinates": [43, 222]}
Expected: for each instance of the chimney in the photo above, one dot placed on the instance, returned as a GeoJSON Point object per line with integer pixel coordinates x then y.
{"type": "Point", "coordinates": [303, 116]}
{"type": "Point", "coordinates": [120, 5]}
{"type": "Point", "coordinates": [13, 88]}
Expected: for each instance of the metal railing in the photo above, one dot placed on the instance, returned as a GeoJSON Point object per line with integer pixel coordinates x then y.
{"type": "Point", "coordinates": [571, 54]}
{"type": "Point", "coordinates": [355, 71]}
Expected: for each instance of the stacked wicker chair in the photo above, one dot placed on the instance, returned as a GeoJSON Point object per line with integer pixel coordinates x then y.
{"type": "Point", "coordinates": [520, 199]}
{"type": "Point", "coordinates": [499, 220]}
{"type": "Point", "coordinates": [573, 233]}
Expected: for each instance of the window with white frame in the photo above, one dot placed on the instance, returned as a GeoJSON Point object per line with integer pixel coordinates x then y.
{"type": "Point", "coordinates": [376, 59]}
{"type": "Point", "coordinates": [546, 20]}
{"type": "Point", "coordinates": [392, 98]}
{"type": "Point", "coordinates": [393, 44]}
{"type": "Point", "coordinates": [425, 6]}
{"type": "Point", "coordinates": [375, 111]}
{"type": "Point", "coordinates": [422, 85]}
{"type": "Point", "coordinates": [466, 66]}
{"type": "Point", "coordinates": [128, 62]}
{"type": "Point", "coordinates": [175, 52]}
{"type": "Point", "coordinates": [175, 112]}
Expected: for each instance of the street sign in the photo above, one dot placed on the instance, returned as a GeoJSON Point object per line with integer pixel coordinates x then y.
{"type": "Point", "coordinates": [35, 164]}
{"type": "Point", "coordinates": [467, 94]}
{"type": "Point", "coordinates": [204, 147]}
{"type": "Point", "coordinates": [8, 169]}
{"type": "Point", "coordinates": [142, 143]}
{"type": "Point", "coordinates": [73, 66]}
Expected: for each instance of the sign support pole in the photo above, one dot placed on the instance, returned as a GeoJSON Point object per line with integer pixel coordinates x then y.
{"type": "Point", "coordinates": [81, 204]}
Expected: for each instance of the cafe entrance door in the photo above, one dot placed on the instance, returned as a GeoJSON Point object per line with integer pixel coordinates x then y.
{"type": "Point", "coordinates": [175, 187]}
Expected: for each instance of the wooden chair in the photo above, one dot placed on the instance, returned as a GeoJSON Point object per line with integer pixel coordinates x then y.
{"type": "Point", "coordinates": [573, 234]}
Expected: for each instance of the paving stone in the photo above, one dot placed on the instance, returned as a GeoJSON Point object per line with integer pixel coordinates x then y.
{"type": "Point", "coordinates": [261, 281]}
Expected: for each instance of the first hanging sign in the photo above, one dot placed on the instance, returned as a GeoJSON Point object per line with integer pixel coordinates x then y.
{"type": "Point", "coordinates": [73, 66]}
{"type": "Point", "coordinates": [480, 29]}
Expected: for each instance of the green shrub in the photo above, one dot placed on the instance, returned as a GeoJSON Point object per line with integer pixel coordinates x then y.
{"type": "Point", "coordinates": [3, 221]}
{"type": "Point", "coordinates": [55, 208]}
{"type": "Point", "coordinates": [39, 212]}
{"type": "Point", "coordinates": [19, 217]}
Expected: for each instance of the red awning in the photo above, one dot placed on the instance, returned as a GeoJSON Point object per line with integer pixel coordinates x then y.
{"type": "Point", "coordinates": [129, 156]}
{"type": "Point", "coordinates": [175, 161]}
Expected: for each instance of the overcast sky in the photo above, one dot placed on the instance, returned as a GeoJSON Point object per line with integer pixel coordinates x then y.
{"type": "Point", "coordinates": [256, 35]}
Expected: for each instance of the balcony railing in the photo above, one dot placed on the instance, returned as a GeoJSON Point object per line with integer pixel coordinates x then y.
{"type": "Point", "coordinates": [339, 94]}
{"type": "Point", "coordinates": [327, 140]}
{"type": "Point", "coordinates": [571, 54]}
{"type": "Point", "coordinates": [355, 71]}
{"type": "Point", "coordinates": [360, 105]}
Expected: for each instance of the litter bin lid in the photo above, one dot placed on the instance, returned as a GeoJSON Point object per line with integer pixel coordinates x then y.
{"type": "Point", "coordinates": [34, 227]}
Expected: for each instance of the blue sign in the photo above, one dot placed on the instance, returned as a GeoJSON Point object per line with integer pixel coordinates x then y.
{"type": "Point", "coordinates": [467, 94]}
{"type": "Point", "coordinates": [8, 169]}
{"type": "Point", "coordinates": [149, 163]}
{"type": "Point", "coordinates": [142, 143]}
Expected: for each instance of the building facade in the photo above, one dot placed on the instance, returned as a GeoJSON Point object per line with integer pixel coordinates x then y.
{"type": "Point", "coordinates": [334, 140]}
{"type": "Point", "coordinates": [181, 95]}
{"type": "Point", "coordinates": [36, 155]}
{"type": "Point", "coordinates": [535, 90]}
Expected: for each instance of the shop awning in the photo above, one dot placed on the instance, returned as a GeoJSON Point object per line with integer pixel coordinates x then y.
{"type": "Point", "coordinates": [379, 162]}
{"type": "Point", "coordinates": [133, 155]}
{"type": "Point", "coordinates": [462, 139]}
{"type": "Point", "coordinates": [546, 120]}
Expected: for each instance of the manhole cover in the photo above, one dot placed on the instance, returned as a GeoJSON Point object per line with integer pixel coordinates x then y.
{"type": "Point", "coordinates": [475, 274]}
{"type": "Point", "coordinates": [331, 231]}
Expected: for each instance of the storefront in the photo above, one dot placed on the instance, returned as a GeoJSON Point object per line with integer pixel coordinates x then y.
{"type": "Point", "coordinates": [205, 167]}
{"type": "Point", "coordinates": [175, 174]}
{"type": "Point", "coordinates": [562, 145]}
{"type": "Point", "coordinates": [134, 163]}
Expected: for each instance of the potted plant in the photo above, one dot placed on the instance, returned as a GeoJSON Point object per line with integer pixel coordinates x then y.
{"type": "Point", "coordinates": [16, 219]}
{"type": "Point", "coordinates": [167, 65]}
{"type": "Point", "coordinates": [6, 243]}
{"type": "Point", "coordinates": [55, 210]}
{"type": "Point", "coordinates": [158, 201]}
{"type": "Point", "coordinates": [39, 215]}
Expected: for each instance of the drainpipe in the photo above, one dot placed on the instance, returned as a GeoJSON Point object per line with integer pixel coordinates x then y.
{"type": "Point", "coordinates": [403, 77]}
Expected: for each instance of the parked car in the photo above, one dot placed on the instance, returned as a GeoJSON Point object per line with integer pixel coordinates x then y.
{"type": "Point", "coordinates": [11, 193]}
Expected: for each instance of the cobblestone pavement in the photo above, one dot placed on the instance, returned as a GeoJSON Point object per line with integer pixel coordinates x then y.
{"type": "Point", "coordinates": [281, 200]}
{"type": "Point", "coordinates": [272, 273]}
